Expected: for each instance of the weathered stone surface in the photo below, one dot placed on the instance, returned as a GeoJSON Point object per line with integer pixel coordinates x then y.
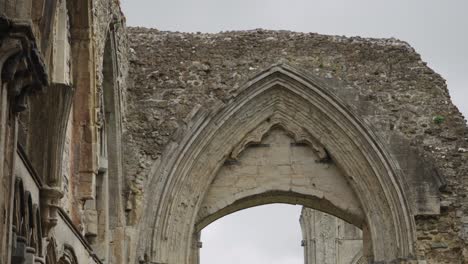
{"type": "Point", "coordinates": [52, 64]}
{"type": "Point", "coordinates": [213, 123]}
{"type": "Point", "coordinates": [277, 164]}
{"type": "Point", "coordinates": [383, 81]}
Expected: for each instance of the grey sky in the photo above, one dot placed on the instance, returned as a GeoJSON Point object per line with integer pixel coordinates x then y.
{"type": "Point", "coordinates": [437, 29]}
{"type": "Point", "coordinates": [268, 234]}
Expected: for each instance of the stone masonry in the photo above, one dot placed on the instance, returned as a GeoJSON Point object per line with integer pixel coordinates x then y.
{"type": "Point", "coordinates": [175, 76]}
{"type": "Point", "coordinates": [119, 145]}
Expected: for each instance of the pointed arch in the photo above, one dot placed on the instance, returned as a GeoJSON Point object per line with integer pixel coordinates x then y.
{"type": "Point", "coordinates": [187, 168]}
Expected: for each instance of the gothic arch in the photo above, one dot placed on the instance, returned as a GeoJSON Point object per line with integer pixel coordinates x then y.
{"type": "Point", "coordinates": [109, 177]}
{"type": "Point", "coordinates": [37, 231]}
{"type": "Point", "coordinates": [187, 169]}
{"type": "Point", "coordinates": [29, 219]}
{"type": "Point", "coordinates": [111, 124]}
{"type": "Point", "coordinates": [19, 209]}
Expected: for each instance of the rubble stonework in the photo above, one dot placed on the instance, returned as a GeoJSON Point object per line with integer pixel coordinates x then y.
{"type": "Point", "coordinates": [174, 76]}
{"type": "Point", "coordinates": [119, 145]}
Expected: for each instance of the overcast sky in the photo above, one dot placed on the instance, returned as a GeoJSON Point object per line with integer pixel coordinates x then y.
{"type": "Point", "coordinates": [437, 29]}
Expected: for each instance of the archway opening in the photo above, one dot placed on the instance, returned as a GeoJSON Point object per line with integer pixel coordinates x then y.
{"type": "Point", "coordinates": [262, 234]}
{"type": "Point", "coordinates": [281, 167]}
{"type": "Point", "coordinates": [279, 233]}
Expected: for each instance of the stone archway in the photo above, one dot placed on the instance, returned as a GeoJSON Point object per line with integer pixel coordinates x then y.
{"type": "Point", "coordinates": [278, 97]}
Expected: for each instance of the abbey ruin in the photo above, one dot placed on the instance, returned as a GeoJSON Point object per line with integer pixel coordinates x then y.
{"type": "Point", "coordinates": [119, 145]}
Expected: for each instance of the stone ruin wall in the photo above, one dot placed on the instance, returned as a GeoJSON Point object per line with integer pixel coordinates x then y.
{"type": "Point", "coordinates": [88, 23]}
{"type": "Point", "coordinates": [164, 78]}
{"type": "Point", "coordinates": [106, 16]}
{"type": "Point", "coordinates": [384, 81]}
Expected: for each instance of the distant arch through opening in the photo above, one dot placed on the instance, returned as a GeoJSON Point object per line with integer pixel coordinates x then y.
{"type": "Point", "coordinates": [275, 233]}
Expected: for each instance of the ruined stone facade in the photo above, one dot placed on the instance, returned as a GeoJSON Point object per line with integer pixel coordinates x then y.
{"type": "Point", "coordinates": [63, 66]}
{"type": "Point", "coordinates": [119, 145]}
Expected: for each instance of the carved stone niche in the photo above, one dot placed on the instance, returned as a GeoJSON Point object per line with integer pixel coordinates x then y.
{"type": "Point", "coordinates": [26, 229]}
{"type": "Point", "coordinates": [24, 72]}
{"type": "Point", "coordinates": [50, 198]}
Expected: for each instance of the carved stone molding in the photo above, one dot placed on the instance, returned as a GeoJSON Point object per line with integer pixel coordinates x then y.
{"type": "Point", "coordinates": [299, 134]}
